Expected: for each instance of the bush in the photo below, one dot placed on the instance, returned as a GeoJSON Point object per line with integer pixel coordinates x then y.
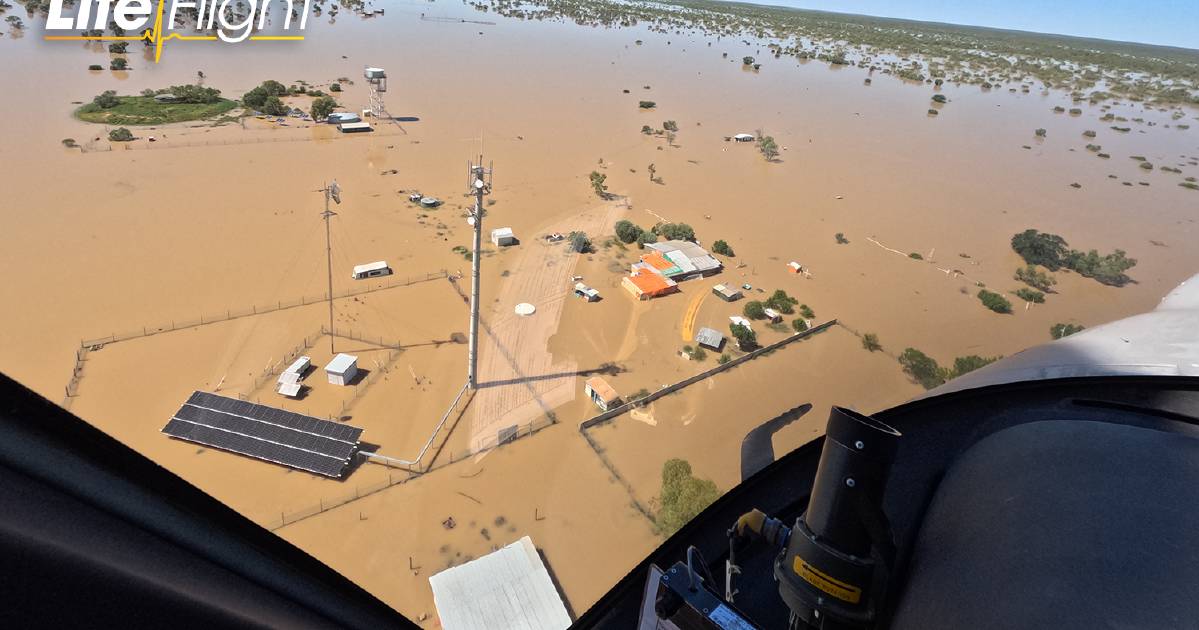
{"type": "Point", "coordinates": [724, 358]}
{"type": "Point", "coordinates": [1030, 295]}
{"type": "Point", "coordinates": [579, 242]}
{"type": "Point", "coordinates": [69, 143]}
{"type": "Point", "coordinates": [627, 231]}
{"type": "Point", "coordinates": [722, 248]}
{"type": "Point", "coordinates": [106, 99]}
{"type": "Point", "coordinates": [684, 496]}
{"type": "Point", "coordinates": [1036, 279]}
{"type": "Point", "coordinates": [670, 125]}
{"type": "Point", "coordinates": [95, 66]}
{"type": "Point", "coordinates": [1040, 133]}
{"type": "Point", "coordinates": [1057, 331]}
{"type": "Point", "coordinates": [922, 368]}
{"type": "Point", "coordinates": [120, 134]}
{"type": "Point", "coordinates": [119, 63]}
{"type": "Point", "coordinates": [747, 60]}
{"type": "Point", "coordinates": [841, 240]}
{"type": "Point", "coordinates": [646, 104]}
{"type": "Point", "coordinates": [994, 301]}
{"type": "Point", "coordinates": [335, 87]}
{"type": "Point", "coordinates": [646, 236]}
{"type": "Point", "coordinates": [118, 48]}
{"type": "Point", "coordinates": [915, 256]}
{"type": "Point", "coordinates": [754, 310]}
{"type": "Point", "coordinates": [807, 311]}
{"type": "Point", "coordinates": [939, 98]}
{"type": "Point", "coordinates": [676, 232]}
{"type": "Point", "coordinates": [647, 130]}
{"type": "Point", "coordinates": [967, 364]}
{"type": "Point", "coordinates": [799, 325]}
{"type": "Point", "coordinates": [870, 342]}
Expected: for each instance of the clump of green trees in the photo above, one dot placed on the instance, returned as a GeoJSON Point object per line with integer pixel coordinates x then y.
{"type": "Point", "coordinates": [754, 309]}
{"type": "Point", "coordinates": [322, 107]}
{"type": "Point", "coordinates": [799, 325]}
{"type": "Point", "coordinates": [746, 338]}
{"type": "Point", "coordinates": [722, 247]}
{"type": "Point", "coordinates": [926, 371]}
{"type": "Point", "coordinates": [1029, 295]}
{"type": "Point", "coordinates": [1051, 251]}
{"type": "Point", "coordinates": [675, 231]}
{"type": "Point", "coordinates": [629, 232]}
{"type": "Point", "coordinates": [683, 497]}
{"type": "Point", "coordinates": [579, 242]}
{"type": "Point", "coordinates": [1034, 278]}
{"type": "Point", "coordinates": [767, 146]}
{"type": "Point", "coordinates": [994, 301]}
{"type": "Point", "coordinates": [120, 134]}
{"type": "Point", "coordinates": [265, 98]}
{"type": "Point", "coordinates": [1057, 331]}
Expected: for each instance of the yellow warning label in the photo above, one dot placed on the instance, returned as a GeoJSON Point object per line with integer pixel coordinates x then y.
{"type": "Point", "coordinates": [827, 583]}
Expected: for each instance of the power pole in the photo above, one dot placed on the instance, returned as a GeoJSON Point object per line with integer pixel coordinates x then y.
{"type": "Point", "coordinates": [479, 179]}
{"type": "Point", "coordinates": [332, 191]}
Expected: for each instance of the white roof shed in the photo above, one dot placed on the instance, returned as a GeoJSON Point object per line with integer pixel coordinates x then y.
{"type": "Point", "coordinates": [508, 588]}
{"type": "Point", "coordinates": [342, 364]}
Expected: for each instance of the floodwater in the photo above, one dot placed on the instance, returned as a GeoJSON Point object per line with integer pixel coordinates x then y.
{"type": "Point", "coordinates": [210, 220]}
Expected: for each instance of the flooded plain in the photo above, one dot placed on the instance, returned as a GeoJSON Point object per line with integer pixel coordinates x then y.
{"type": "Point", "coordinates": [209, 220]}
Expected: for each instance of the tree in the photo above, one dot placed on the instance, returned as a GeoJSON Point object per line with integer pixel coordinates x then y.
{"type": "Point", "coordinates": [1057, 331]}
{"type": "Point", "coordinates": [118, 48]}
{"type": "Point", "coordinates": [1036, 279]}
{"type": "Point", "coordinates": [939, 98]}
{"type": "Point", "coordinates": [922, 368]}
{"type": "Point", "coordinates": [768, 147]}
{"type": "Point", "coordinates": [646, 104]}
{"type": "Point", "coordinates": [1108, 269]}
{"type": "Point", "coordinates": [647, 236]}
{"type": "Point", "coordinates": [722, 248]}
{"type": "Point", "coordinates": [106, 99]}
{"type": "Point", "coordinates": [119, 63]}
{"type": "Point", "coordinates": [274, 88]}
{"type": "Point", "coordinates": [746, 338]}
{"type": "Point", "coordinates": [754, 310]}
{"type": "Point", "coordinates": [627, 231]}
{"type": "Point", "coordinates": [967, 364]}
{"type": "Point", "coordinates": [579, 242]}
{"type": "Point", "coordinates": [275, 107]}
{"type": "Point", "coordinates": [597, 184]}
{"type": "Point", "coordinates": [747, 60]}
{"type": "Point", "coordinates": [799, 325]}
{"type": "Point", "coordinates": [870, 342]}
{"type": "Point", "coordinates": [255, 98]}
{"type": "Point", "coordinates": [120, 134]}
{"type": "Point", "coordinates": [322, 107]}
{"type": "Point", "coordinates": [676, 232]}
{"type": "Point", "coordinates": [647, 130]}
{"type": "Point", "coordinates": [683, 497]}
{"type": "Point", "coordinates": [1030, 295]}
{"type": "Point", "coordinates": [1040, 248]}
{"type": "Point", "coordinates": [334, 87]}
{"type": "Point", "coordinates": [841, 240]}
{"type": "Point", "coordinates": [670, 125]}
{"type": "Point", "coordinates": [1040, 133]}
{"type": "Point", "coordinates": [807, 311]}
{"type": "Point", "coordinates": [994, 301]}
{"type": "Point", "coordinates": [781, 302]}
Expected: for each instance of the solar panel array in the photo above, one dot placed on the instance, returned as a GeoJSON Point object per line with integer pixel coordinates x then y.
{"type": "Point", "coordinates": [266, 433]}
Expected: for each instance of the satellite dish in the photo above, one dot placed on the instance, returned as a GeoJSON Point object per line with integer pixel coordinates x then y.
{"type": "Point", "coordinates": [470, 220]}
{"type": "Point", "coordinates": [478, 183]}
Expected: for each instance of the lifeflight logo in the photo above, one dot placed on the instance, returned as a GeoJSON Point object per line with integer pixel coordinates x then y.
{"type": "Point", "coordinates": [223, 16]}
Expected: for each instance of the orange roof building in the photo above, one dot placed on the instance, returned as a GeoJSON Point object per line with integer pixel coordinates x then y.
{"type": "Point", "coordinates": [644, 284]}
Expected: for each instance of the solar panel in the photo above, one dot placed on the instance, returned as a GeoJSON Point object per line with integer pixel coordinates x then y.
{"type": "Point", "coordinates": [267, 433]}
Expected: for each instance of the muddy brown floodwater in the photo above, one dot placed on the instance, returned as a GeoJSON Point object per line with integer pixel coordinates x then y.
{"type": "Point", "coordinates": [208, 221]}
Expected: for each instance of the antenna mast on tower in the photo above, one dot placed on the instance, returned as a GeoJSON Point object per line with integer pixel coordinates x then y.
{"type": "Point", "coordinates": [479, 184]}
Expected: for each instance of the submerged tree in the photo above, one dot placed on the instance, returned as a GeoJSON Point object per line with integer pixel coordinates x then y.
{"type": "Point", "coordinates": [683, 497]}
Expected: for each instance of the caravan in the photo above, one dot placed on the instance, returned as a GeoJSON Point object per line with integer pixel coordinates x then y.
{"type": "Point", "coordinates": [371, 270]}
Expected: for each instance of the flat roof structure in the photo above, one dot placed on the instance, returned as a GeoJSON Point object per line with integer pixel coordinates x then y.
{"type": "Point", "coordinates": [726, 293]}
{"type": "Point", "coordinates": [299, 366]}
{"type": "Point", "coordinates": [266, 433]}
{"type": "Point", "coordinates": [351, 127]}
{"type": "Point", "coordinates": [507, 588]}
{"type": "Point", "coordinates": [687, 256]}
{"type": "Point", "coordinates": [601, 391]}
{"type": "Point", "coordinates": [368, 267]}
{"type": "Point", "coordinates": [342, 363]}
{"type": "Point", "coordinates": [645, 284]}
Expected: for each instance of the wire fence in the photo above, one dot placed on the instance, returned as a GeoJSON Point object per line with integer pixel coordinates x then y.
{"type": "Point", "coordinates": [397, 476]}
{"type": "Point", "coordinates": [72, 388]}
{"type": "Point", "coordinates": [674, 387]}
{"type": "Point", "coordinates": [99, 147]}
{"type": "Point", "coordinates": [205, 319]}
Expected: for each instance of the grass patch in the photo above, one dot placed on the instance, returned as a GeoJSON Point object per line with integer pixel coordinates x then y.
{"type": "Point", "coordinates": [144, 110]}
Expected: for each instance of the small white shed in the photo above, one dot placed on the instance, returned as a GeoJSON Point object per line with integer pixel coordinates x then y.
{"type": "Point", "coordinates": [503, 237]}
{"type": "Point", "coordinates": [342, 369]}
{"type": "Point", "coordinates": [773, 315]}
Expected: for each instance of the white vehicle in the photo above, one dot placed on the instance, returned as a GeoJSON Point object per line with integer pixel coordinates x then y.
{"type": "Point", "coordinates": [371, 270]}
